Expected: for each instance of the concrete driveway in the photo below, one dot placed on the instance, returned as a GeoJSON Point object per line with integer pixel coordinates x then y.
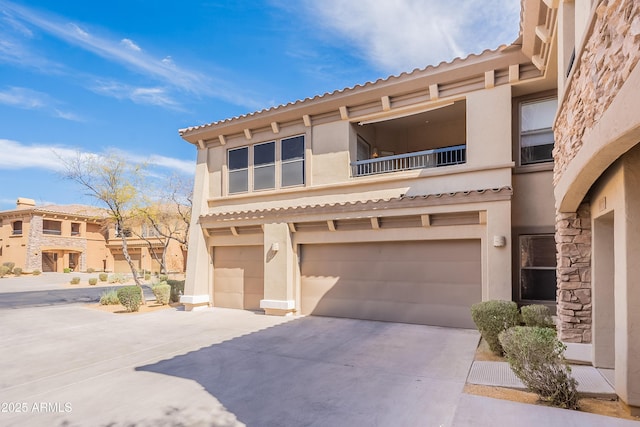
{"type": "Point", "coordinates": [72, 365]}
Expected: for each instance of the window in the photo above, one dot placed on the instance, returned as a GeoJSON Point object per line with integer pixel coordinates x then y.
{"type": "Point", "coordinates": [75, 229]}
{"type": "Point", "coordinates": [16, 228]}
{"type": "Point", "coordinates": [293, 161]}
{"type": "Point", "coordinates": [239, 170]}
{"type": "Point", "coordinates": [536, 134]}
{"type": "Point", "coordinates": [537, 258]}
{"type": "Point", "coordinates": [51, 227]}
{"type": "Point", "coordinates": [363, 149]}
{"type": "Point", "coordinates": [264, 166]}
{"type": "Point", "coordinates": [256, 168]}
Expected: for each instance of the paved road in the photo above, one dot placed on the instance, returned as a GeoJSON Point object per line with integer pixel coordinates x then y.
{"type": "Point", "coordinates": [55, 297]}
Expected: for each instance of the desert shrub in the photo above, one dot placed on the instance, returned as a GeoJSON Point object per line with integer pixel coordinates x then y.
{"type": "Point", "coordinates": [147, 276]}
{"type": "Point", "coordinates": [536, 356]}
{"type": "Point", "coordinates": [93, 281]}
{"type": "Point", "coordinates": [36, 272]}
{"type": "Point", "coordinates": [130, 297]}
{"type": "Point", "coordinates": [75, 280]}
{"type": "Point", "coordinates": [117, 278]}
{"type": "Point", "coordinates": [109, 297]}
{"type": "Point", "coordinates": [67, 270]}
{"type": "Point", "coordinates": [103, 277]}
{"type": "Point", "coordinates": [17, 271]}
{"type": "Point", "coordinates": [4, 270]}
{"type": "Point", "coordinates": [162, 291]}
{"type": "Point", "coordinates": [493, 317]}
{"type": "Point", "coordinates": [91, 270]}
{"type": "Point", "coordinates": [163, 277]}
{"type": "Point", "coordinates": [537, 315]}
{"type": "Point", "coordinates": [177, 289]}
{"type": "Point", "coordinates": [9, 265]}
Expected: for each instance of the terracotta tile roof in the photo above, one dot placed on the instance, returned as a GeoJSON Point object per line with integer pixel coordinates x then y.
{"type": "Point", "coordinates": [80, 210]}
{"type": "Point", "coordinates": [391, 78]}
{"type": "Point", "coordinates": [373, 204]}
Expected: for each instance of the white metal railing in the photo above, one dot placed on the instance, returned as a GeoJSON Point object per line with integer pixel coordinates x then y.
{"type": "Point", "coordinates": [419, 160]}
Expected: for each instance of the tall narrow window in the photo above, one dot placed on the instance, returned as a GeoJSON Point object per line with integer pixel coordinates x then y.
{"type": "Point", "coordinates": [239, 170]}
{"type": "Point", "coordinates": [264, 166]}
{"type": "Point", "coordinates": [293, 161]}
{"type": "Point", "coordinates": [537, 267]}
{"type": "Point", "coordinates": [17, 228]}
{"type": "Point", "coordinates": [75, 229]}
{"type": "Point", "coordinates": [536, 134]}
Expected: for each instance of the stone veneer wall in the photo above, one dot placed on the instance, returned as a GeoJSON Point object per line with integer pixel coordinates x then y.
{"type": "Point", "coordinates": [608, 58]}
{"type": "Point", "coordinates": [573, 242]}
{"type": "Point", "coordinates": [38, 240]}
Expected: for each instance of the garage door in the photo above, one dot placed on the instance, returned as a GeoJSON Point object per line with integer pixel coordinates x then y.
{"type": "Point", "coordinates": [238, 277]}
{"type": "Point", "coordinates": [120, 264]}
{"type": "Point", "coordinates": [431, 283]}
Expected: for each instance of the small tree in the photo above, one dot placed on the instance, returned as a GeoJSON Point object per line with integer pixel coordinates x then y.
{"type": "Point", "coordinates": [113, 182]}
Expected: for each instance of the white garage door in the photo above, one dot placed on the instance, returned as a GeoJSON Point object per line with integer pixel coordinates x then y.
{"type": "Point", "coordinates": [238, 277]}
{"type": "Point", "coordinates": [120, 264]}
{"type": "Point", "coordinates": [431, 283]}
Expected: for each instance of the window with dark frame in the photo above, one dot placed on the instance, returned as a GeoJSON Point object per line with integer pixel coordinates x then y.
{"type": "Point", "coordinates": [537, 272]}
{"type": "Point", "coordinates": [16, 228]}
{"type": "Point", "coordinates": [238, 170]}
{"type": "Point", "coordinates": [536, 133]}
{"type": "Point", "coordinates": [292, 161]}
{"type": "Point", "coordinates": [264, 166]}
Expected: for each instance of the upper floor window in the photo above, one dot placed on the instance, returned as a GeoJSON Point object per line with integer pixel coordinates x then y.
{"type": "Point", "coordinates": [16, 228]}
{"type": "Point", "coordinates": [51, 227]}
{"type": "Point", "coordinates": [536, 133]}
{"type": "Point", "coordinates": [75, 228]}
{"type": "Point", "coordinates": [259, 167]}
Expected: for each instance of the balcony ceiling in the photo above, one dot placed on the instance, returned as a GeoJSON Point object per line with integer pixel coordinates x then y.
{"type": "Point", "coordinates": [444, 114]}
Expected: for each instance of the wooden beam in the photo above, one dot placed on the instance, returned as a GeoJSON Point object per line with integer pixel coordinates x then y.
{"type": "Point", "coordinates": [489, 79]}
{"type": "Point", "coordinates": [543, 34]}
{"type": "Point", "coordinates": [434, 93]}
{"type": "Point", "coordinates": [222, 139]}
{"type": "Point", "coordinates": [538, 62]}
{"type": "Point", "coordinates": [307, 120]}
{"type": "Point", "coordinates": [201, 144]}
{"type": "Point", "coordinates": [206, 232]}
{"type": "Point", "coordinates": [247, 134]}
{"type": "Point", "coordinates": [482, 217]}
{"type": "Point", "coordinates": [426, 220]}
{"type": "Point", "coordinates": [275, 127]}
{"type": "Point", "coordinates": [514, 73]}
{"type": "Point", "coordinates": [292, 227]}
{"type": "Point", "coordinates": [386, 103]}
{"type": "Point", "coordinates": [344, 113]}
{"type": "Point", "coordinates": [234, 231]}
{"type": "Point", "coordinates": [375, 223]}
{"type": "Point", "coordinates": [331, 224]}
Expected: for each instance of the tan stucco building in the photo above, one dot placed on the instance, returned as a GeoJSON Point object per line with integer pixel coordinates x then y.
{"type": "Point", "coordinates": [405, 199]}
{"type": "Point", "coordinates": [52, 238]}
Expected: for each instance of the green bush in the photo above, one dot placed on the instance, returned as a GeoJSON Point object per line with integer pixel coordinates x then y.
{"type": "Point", "coordinates": [163, 277]}
{"type": "Point", "coordinates": [109, 297]}
{"type": "Point", "coordinates": [75, 280]}
{"type": "Point", "coordinates": [147, 276]}
{"type": "Point", "coordinates": [67, 270]}
{"type": "Point", "coordinates": [93, 281]}
{"type": "Point", "coordinates": [36, 272]}
{"type": "Point", "coordinates": [103, 277]}
{"type": "Point", "coordinates": [91, 270]}
{"type": "Point", "coordinates": [536, 356]}
{"type": "Point", "coordinates": [493, 317]}
{"type": "Point", "coordinates": [117, 278]}
{"type": "Point", "coordinates": [130, 297]}
{"type": "Point", "coordinates": [162, 291]}
{"type": "Point", "coordinates": [4, 270]}
{"type": "Point", "coordinates": [537, 315]}
{"type": "Point", "coordinates": [17, 271]}
{"type": "Point", "coordinates": [177, 289]}
{"type": "Point", "coordinates": [9, 265]}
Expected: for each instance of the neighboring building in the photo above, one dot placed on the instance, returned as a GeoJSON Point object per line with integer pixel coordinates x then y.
{"type": "Point", "coordinates": [52, 238]}
{"type": "Point", "coordinates": [406, 199]}
{"type": "Point", "coordinates": [597, 186]}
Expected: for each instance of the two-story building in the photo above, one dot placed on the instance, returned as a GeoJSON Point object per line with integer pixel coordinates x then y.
{"type": "Point", "coordinates": [405, 199]}
{"type": "Point", "coordinates": [52, 238]}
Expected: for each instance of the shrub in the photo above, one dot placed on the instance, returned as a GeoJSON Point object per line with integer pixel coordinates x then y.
{"type": "Point", "coordinates": [9, 265]}
{"type": "Point", "coordinates": [537, 315]}
{"type": "Point", "coordinates": [75, 280]}
{"type": "Point", "coordinates": [147, 276]}
{"type": "Point", "coordinates": [103, 277]}
{"type": "Point", "coordinates": [493, 317]}
{"type": "Point", "coordinates": [67, 270]}
{"type": "Point", "coordinates": [163, 277]}
{"type": "Point", "coordinates": [17, 271]}
{"type": "Point", "coordinates": [93, 281]}
{"type": "Point", "coordinates": [130, 297]}
{"type": "Point", "coordinates": [109, 297]}
{"type": "Point", "coordinates": [537, 358]}
{"type": "Point", "coordinates": [3, 270]}
{"type": "Point", "coordinates": [36, 272]}
{"type": "Point", "coordinates": [117, 278]}
{"type": "Point", "coordinates": [177, 289]}
{"type": "Point", "coordinates": [162, 291]}
{"type": "Point", "coordinates": [91, 270]}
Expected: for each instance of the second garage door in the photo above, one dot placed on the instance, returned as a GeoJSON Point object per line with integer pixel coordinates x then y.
{"type": "Point", "coordinates": [431, 283]}
{"type": "Point", "coordinates": [238, 277]}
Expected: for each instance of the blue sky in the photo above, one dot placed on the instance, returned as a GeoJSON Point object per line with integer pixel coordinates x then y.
{"type": "Point", "coordinates": [123, 75]}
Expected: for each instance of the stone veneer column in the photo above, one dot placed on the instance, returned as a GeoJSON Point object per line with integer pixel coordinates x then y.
{"type": "Point", "coordinates": [573, 243]}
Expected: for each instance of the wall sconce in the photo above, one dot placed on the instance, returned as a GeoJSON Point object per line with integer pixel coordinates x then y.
{"type": "Point", "coordinates": [375, 154]}
{"type": "Point", "coordinates": [499, 241]}
{"type": "Point", "coordinates": [275, 247]}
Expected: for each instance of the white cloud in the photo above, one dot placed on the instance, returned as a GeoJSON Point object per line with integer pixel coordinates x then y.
{"type": "Point", "coordinates": [29, 99]}
{"type": "Point", "coordinates": [17, 155]}
{"type": "Point", "coordinates": [131, 45]}
{"type": "Point", "coordinates": [401, 35]}
{"type": "Point", "coordinates": [140, 95]}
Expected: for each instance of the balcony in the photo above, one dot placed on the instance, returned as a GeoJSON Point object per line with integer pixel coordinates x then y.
{"type": "Point", "coordinates": [438, 157]}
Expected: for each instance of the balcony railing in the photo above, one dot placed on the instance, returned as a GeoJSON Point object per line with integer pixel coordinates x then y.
{"type": "Point", "coordinates": [419, 160]}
